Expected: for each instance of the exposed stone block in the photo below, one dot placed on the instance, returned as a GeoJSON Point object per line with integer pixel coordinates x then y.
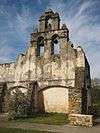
{"type": "Point", "coordinates": [81, 120]}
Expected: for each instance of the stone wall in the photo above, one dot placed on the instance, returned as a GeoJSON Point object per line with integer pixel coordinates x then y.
{"type": "Point", "coordinates": [68, 69]}
{"type": "Point", "coordinates": [7, 72]}
{"type": "Point", "coordinates": [3, 88]}
{"type": "Point", "coordinates": [19, 100]}
{"type": "Point", "coordinates": [81, 120]}
{"type": "Point", "coordinates": [75, 101]}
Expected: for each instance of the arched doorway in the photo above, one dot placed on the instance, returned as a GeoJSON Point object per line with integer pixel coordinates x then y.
{"type": "Point", "coordinates": [53, 99]}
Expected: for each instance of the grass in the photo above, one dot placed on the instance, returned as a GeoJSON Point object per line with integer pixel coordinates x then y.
{"type": "Point", "coordinates": [45, 118]}
{"type": "Point", "coordinates": [14, 130]}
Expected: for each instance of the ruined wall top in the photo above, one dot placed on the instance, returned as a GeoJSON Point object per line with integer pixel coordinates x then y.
{"type": "Point", "coordinates": [49, 21]}
{"type": "Point", "coordinates": [51, 55]}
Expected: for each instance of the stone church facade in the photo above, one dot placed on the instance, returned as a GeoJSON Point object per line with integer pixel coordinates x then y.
{"type": "Point", "coordinates": [51, 76]}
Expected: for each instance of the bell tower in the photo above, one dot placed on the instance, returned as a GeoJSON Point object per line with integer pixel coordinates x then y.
{"type": "Point", "coordinates": [49, 21]}
{"type": "Point", "coordinates": [51, 38]}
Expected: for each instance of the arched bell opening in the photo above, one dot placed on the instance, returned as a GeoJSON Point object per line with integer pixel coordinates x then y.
{"type": "Point", "coordinates": [40, 46]}
{"type": "Point", "coordinates": [55, 45]}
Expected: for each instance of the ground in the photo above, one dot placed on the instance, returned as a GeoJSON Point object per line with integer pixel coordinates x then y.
{"type": "Point", "coordinates": [45, 118]}
{"type": "Point", "coordinates": [51, 128]}
{"type": "Point", "coordinates": [12, 130]}
{"type": "Point", "coordinates": [29, 126]}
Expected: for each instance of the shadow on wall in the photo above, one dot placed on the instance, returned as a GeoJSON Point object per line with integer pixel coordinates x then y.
{"type": "Point", "coordinates": [41, 106]}
{"type": "Point", "coordinates": [96, 100]}
{"type": "Point", "coordinates": [84, 101]}
{"type": "Point", "coordinates": [96, 104]}
{"type": "Point", "coordinates": [3, 89]}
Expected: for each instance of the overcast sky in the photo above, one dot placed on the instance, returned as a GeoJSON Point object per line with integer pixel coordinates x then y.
{"type": "Point", "coordinates": [18, 18]}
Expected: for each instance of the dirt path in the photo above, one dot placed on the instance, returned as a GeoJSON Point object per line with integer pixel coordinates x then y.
{"type": "Point", "coordinates": [52, 128]}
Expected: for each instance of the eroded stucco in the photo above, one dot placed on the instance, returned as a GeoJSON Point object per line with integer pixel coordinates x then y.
{"type": "Point", "coordinates": [65, 76]}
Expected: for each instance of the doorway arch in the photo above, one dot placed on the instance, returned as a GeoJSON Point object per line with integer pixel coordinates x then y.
{"type": "Point", "coordinates": [53, 99]}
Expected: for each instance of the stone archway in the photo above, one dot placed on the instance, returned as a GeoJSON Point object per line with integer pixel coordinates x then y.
{"type": "Point", "coordinates": [53, 99]}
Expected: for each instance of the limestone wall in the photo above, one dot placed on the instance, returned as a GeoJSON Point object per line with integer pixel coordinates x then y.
{"type": "Point", "coordinates": [54, 99]}
{"type": "Point", "coordinates": [48, 67]}
{"type": "Point", "coordinates": [81, 120]}
{"type": "Point", "coordinates": [51, 82]}
{"type": "Point", "coordinates": [7, 72]}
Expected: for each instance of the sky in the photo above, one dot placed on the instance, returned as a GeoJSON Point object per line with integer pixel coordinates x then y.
{"type": "Point", "coordinates": [19, 18]}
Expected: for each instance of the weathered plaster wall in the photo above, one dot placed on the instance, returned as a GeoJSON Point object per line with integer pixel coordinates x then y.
{"type": "Point", "coordinates": [7, 72]}
{"type": "Point", "coordinates": [54, 99]}
{"type": "Point", "coordinates": [29, 66]}
{"type": "Point", "coordinates": [69, 69]}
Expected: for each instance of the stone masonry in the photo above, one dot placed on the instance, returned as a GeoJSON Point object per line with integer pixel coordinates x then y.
{"type": "Point", "coordinates": [81, 120]}
{"type": "Point", "coordinates": [51, 76]}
